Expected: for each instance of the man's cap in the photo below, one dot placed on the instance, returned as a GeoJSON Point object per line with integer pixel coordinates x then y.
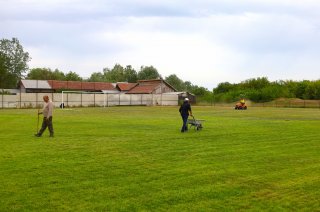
{"type": "Point", "coordinates": [186, 99]}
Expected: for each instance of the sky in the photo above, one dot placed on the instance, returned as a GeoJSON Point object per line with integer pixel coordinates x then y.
{"type": "Point", "coordinates": [205, 42]}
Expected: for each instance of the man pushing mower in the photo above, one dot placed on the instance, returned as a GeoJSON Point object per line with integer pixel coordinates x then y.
{"type": "Point", "coordinates": [185, 111]}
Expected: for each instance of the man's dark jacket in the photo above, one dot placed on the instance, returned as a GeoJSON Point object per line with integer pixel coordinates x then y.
{"type": "Point", "coordinates": [184, 109]}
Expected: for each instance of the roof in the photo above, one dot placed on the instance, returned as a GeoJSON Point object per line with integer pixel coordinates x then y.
{"type": "Point", "coordinates": [180, 92]}
{"type": "Point", "coordinates": [104, 86]}
{"type": "Point", "coordinates": [148, 86]}
{"type": "Point", "coordinates": [35, 84]}
{"type": "Point", "coordinates": [12, 91]}
{"type": "Point", "coordinates": [156, 81]}
{"type": "Point", "coordinates": [142, 89]}
{"type": "Point", "coordinates": [125, 86]}
{"type": "Point", "coordinates": [177, 92]}
{"type": "Point", "coordinates": [77, 85]}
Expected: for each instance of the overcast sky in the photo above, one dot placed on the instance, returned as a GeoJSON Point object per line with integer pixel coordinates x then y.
{"type": "Point", "coordinates": [202, 41]}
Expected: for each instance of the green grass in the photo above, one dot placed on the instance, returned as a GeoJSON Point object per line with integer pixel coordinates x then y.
{"type": "Point", "coordinates": [136, 159]}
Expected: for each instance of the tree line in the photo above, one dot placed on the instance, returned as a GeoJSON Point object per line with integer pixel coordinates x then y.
{"type": "Point", "coordinates": [14, 66]}
{"type": "Point", "coordinates": [262, 90]}
{"type": "Point", "coordinates": [118, 74]}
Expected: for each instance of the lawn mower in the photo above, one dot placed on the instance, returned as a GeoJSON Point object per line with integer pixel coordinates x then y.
{"type": "Point", "coordinates": [241, 105]}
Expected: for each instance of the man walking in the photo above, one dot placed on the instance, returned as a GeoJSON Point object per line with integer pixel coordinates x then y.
{"type": "Point", "coordinates": [185, 111]}
{"type": "Point", "coordinates": [47, 117]}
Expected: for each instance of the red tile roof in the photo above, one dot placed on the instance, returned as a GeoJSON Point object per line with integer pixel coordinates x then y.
{"type": "Point", "coordinates": [143, 89]}
{"type": "Point", "coordinates": [148, 86]}
{"type": "Point", "coordinates": [103, 86]}
{"type": "Point", "coordinates": [125, 86]}
{"type": "Point", "coordinates": [76, 85]}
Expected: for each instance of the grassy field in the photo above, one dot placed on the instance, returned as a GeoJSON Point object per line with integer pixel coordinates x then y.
{"type": "Point", "coordinates": [136, 159]}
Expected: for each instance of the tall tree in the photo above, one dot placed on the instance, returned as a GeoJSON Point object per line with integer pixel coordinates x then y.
{"type": "Point", "coordinates": [40, 74]}
{"type": "Point", "coordinates": [257, 83]}
{"type": "Point", "coordinates": [13, 62]}
{"type": "Point", "coordinates": [58, 75]}
{"type": "Point", "coordinates": [188, 85]}
{"type": "Point", "coordinates": [46, 74]}
{"type": "Point", "coordinates": [97, 77]}
{"type": "Point", "coordinates": [176, 82]}
{"type": "Point", "coordinates": [116, 74]}
{"type": "Point", "coordinates": [223, 87]}
{"type": "Point", "coordinates": [6, 78]}
{"type": "Point", "coordinates": [130, 74]}
{"type": "Point", "coordinates": [72, 76]}
{"type": "Point", "coordinates": [148, 72]}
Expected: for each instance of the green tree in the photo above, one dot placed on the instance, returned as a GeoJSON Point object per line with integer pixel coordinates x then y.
{"type": "Point", "coordinates": [176, 82]}
{"type": "Point", "coordinates": [116, 74]}
{"type": "Point", "coordinates": [40, 74]}
{"type": "Point", "coordinates": [199, 91]}
{"type": "Point", "coordinates": [148, 72]}
{"type": "Point", "coordinates": [72, 76]}
{"type": "Point", "coordinates": [6, 78]}
{"type": "Point", "coordinates": [46, 74]}
{"type": "Point", "coordinates": [130, 74]}
{"type": "Point", "coordinates": [58, 75]}
{"type": "Point", "coordinates": [13, 62]}
{"type": "Point", "coordinates": [312, 90]}
{"type": "Point", "coordinates": [301, 89]}
{"type": "Point", "coordinates": [224, 87]}
{"type": "Point", "coordinates": [97, 77]}
{"type": "Point", "coordinates": [258, 83]}
{"type": "Point", "coordinates": [188, 85]}
{"type": "Point", "coordinates": [290, 88]}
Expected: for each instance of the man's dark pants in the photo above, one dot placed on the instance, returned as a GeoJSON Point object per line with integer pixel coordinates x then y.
{"type": "Point", "coordinates": [185, 125]}
{"type": "Point", "coordinates": [46, 123]}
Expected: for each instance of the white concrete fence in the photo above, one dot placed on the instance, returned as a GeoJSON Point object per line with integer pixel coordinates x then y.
{"type": "Point", "coordinates": [33, 100]}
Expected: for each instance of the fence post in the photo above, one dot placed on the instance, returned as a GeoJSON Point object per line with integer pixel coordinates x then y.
{"type": "Point", "coordinates": [131, 102]}
{"type": "Point", "coordinates": [2, 100]}
{"type": "Point", "coordinates": [52, 97]}
{"type": "Point", "coordinates": [152, 98]}
{"type": "Point", "coordinates": [20, 97]}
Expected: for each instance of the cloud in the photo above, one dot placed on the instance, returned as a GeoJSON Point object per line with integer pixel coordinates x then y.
{"type": "Point", "coordinates": [204, 41]}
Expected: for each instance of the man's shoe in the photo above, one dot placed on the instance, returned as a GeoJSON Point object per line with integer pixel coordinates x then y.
{"type": "Point", "coordinates": [51, 136]}
{"type": "Point", "coordinates": [37, 135]}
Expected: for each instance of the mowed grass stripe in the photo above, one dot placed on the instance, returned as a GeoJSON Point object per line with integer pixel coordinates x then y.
{"type": "Point", "coordinates": [135, 158]}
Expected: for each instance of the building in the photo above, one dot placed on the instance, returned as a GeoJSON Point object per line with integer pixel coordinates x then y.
{"type": "Point", "coordinates": [105, 87]}
{"type": "Point", "coordinates": [156, 86]}
{"type": "Point", "coordinates": [53, 86]}
{"type": "Point", "coordinates": [35, 86]}
{"type": "Point", "coordinates": [184, 94]}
